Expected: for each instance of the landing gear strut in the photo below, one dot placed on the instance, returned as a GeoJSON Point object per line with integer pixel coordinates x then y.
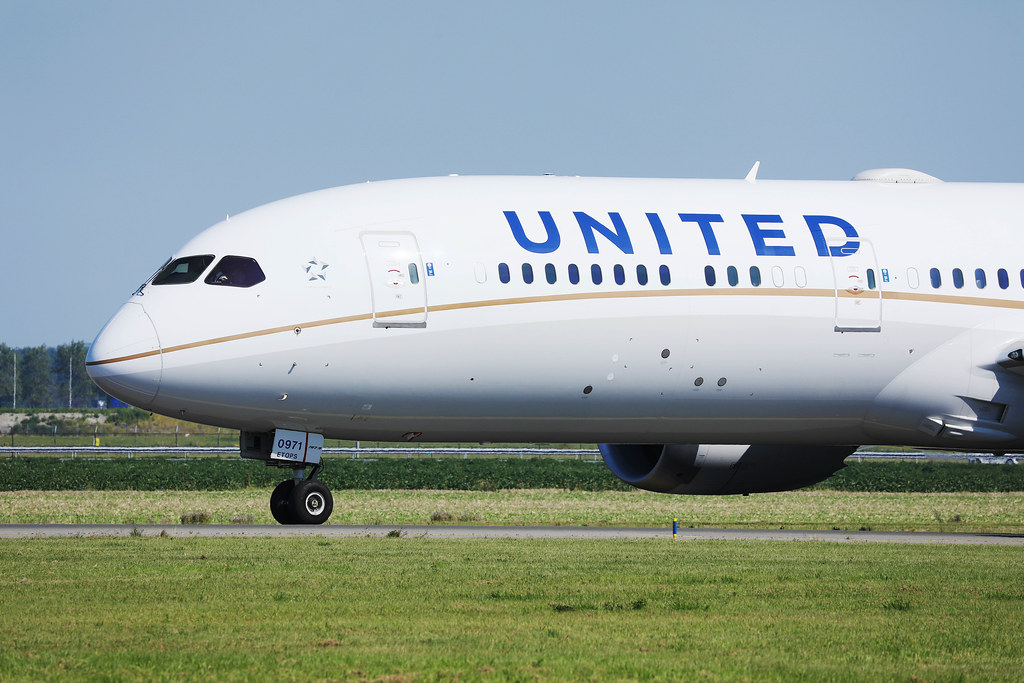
{"type": "Point", "coordinates": [301, 499]}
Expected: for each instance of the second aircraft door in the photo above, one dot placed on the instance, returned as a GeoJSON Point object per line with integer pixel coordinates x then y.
{"type": "Point", "coordinates": [858, 291]}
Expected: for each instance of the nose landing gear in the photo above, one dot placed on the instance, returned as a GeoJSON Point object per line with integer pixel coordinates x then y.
{"type": "Point", "coordinates": [301, 499]}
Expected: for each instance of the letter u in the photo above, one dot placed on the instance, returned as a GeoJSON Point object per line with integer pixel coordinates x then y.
{"type": "Point", "coordinates": [545, 247]}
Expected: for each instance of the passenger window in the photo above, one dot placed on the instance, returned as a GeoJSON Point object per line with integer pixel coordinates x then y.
{"type": "Point", "coordinates": [732, 275]}
{"type": "Point", "coordinates": [503, 273]}
{"type": "Point", "coordinates": [528, 273]}
{"type": "Point", "coordinates": [755, 276]}
{"type": "Point", "coordinates": [549, 273]}
{"type": "Point", "coordinates": [183, 270]}
{"type": "Point", "coordinates": [778, 279]}
{"type": "Point", "coordinates": [979, 278]}
{"type": "Point", "coordinates": [574, 274]}
{"type": "Point", "coordinates": [709, 275]}
{"type": "Point", "coordinates": [800, 276]}
{"type": "Point", "coordinates": [641, 274]}
{"type": "Point", "coordinates": [236, 271]}
{"type": "Point", "coordinates": [937, 277]}
{"type": "Point", "coordinates": [958, 278]}
{"type": "Point", "coordinates": [620, 274]}
{"type": "Point", "coordinates": [414, 274]}
{"type": "Point", "coordinates": [666, 276]}
{"type": "Point", "coordinates": [595, 274]}
{"type": "Point", "coordinates": [1003, 277]}
{"type": "Point", "coordinates": [913, 279]}
{"type": "Point", "coordinates": [871, 278]}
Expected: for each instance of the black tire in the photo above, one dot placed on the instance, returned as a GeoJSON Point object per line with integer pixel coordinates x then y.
{"type": "Point", "coordinates": [279, 502]}
{"type": "Point", "coordinates": [310, 503]}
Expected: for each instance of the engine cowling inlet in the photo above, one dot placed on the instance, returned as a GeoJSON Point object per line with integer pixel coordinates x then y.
{"type": "Point", "coordinates": [709, 469]}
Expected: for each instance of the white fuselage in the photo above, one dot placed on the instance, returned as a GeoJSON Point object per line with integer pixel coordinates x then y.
{"type": "Point", "coordinates": [384, 315]}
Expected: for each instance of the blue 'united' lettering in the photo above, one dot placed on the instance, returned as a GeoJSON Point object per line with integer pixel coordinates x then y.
{"type": "Point", "coordinates": [766, 241]}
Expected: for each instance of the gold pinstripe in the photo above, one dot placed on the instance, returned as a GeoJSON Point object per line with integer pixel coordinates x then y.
{"type": "Point", "coordinates": [551, 298]}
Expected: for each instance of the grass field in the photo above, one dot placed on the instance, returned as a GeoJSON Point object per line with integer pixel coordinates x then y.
{"type": "Point", "coordinates": [966, 512]}
{"type": "Point", "coordinates": [405, 609]}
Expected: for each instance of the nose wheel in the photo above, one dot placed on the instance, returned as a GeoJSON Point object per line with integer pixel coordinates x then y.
{"type": "Point", "coordinates": [303, 501]}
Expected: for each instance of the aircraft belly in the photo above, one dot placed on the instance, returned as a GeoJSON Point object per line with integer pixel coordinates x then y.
{"type": "Point", "coordinates": [591, 380]}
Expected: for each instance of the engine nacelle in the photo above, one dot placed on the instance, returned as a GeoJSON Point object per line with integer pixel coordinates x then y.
{"type": "Point", "coordinates": [721, 468]}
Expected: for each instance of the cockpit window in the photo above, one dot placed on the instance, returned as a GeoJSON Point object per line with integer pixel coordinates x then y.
{"type": "Point", "coordinates": [236, 271]}
{"type": "Point", "coordinates": [183, 270]}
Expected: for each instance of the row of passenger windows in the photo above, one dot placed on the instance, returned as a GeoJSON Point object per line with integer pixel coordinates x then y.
{"type": "Point", "coordinates": [597, 275]}
{"type": "Point", "coordinates": [230, 271]}
{"type": "Point", "coordinates": [753, 275]}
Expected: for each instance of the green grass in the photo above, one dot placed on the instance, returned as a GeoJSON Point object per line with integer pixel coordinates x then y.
{"type": "Point", "coordinates": [400, 609]}
{"type": "Point", "coordinates": [964, 512]}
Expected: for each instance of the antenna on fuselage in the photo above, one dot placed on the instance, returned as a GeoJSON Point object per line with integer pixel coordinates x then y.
{"type": "Point", "coordinates": [752, 175]}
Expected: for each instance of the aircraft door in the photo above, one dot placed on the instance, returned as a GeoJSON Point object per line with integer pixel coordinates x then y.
{"type": "Point", "coordinates": [858, 290]}
{"type": "Point", "coordinates": [397, 288]}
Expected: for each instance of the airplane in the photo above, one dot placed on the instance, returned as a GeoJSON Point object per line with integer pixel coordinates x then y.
{"type": "Point", "coordinates": [713, 336]}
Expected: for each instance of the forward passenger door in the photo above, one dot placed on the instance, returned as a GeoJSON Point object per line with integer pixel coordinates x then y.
{"type": "Point", "coordinates": [397, 286]}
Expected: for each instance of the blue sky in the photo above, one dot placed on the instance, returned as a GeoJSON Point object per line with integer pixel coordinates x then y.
{"type": "Point", "coordinates": [127, 127]}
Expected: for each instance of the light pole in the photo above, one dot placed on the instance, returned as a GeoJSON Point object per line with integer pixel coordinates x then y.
{"type": "Point", "coordinates": [15, 352]}
{"type": "Point", "coordinates": [71, 356]}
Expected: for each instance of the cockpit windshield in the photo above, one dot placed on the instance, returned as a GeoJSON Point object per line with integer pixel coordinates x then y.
{"type": "Point", "coordinates": [236, 271]}
{"type": "Point", "coordinates": [183, 270]}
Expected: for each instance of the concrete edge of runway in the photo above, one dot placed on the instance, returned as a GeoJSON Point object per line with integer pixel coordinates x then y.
{"type": "Point", "coordinates": [469, 531]}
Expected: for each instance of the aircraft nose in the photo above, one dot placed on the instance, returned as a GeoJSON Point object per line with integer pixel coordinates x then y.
{"type": "Point", "coordinates": [125, 359]}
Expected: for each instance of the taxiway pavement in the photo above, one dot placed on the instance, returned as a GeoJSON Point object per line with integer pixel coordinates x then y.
{"type": "Point", "coordinates": [467, 531]}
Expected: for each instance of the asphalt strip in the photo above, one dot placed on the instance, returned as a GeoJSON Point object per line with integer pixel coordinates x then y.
{"type": "Point", "coordinates": [440, 531]}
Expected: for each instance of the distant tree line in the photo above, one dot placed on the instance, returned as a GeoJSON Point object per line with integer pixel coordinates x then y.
{"type": "Point", "coordinates": [47, 377]}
